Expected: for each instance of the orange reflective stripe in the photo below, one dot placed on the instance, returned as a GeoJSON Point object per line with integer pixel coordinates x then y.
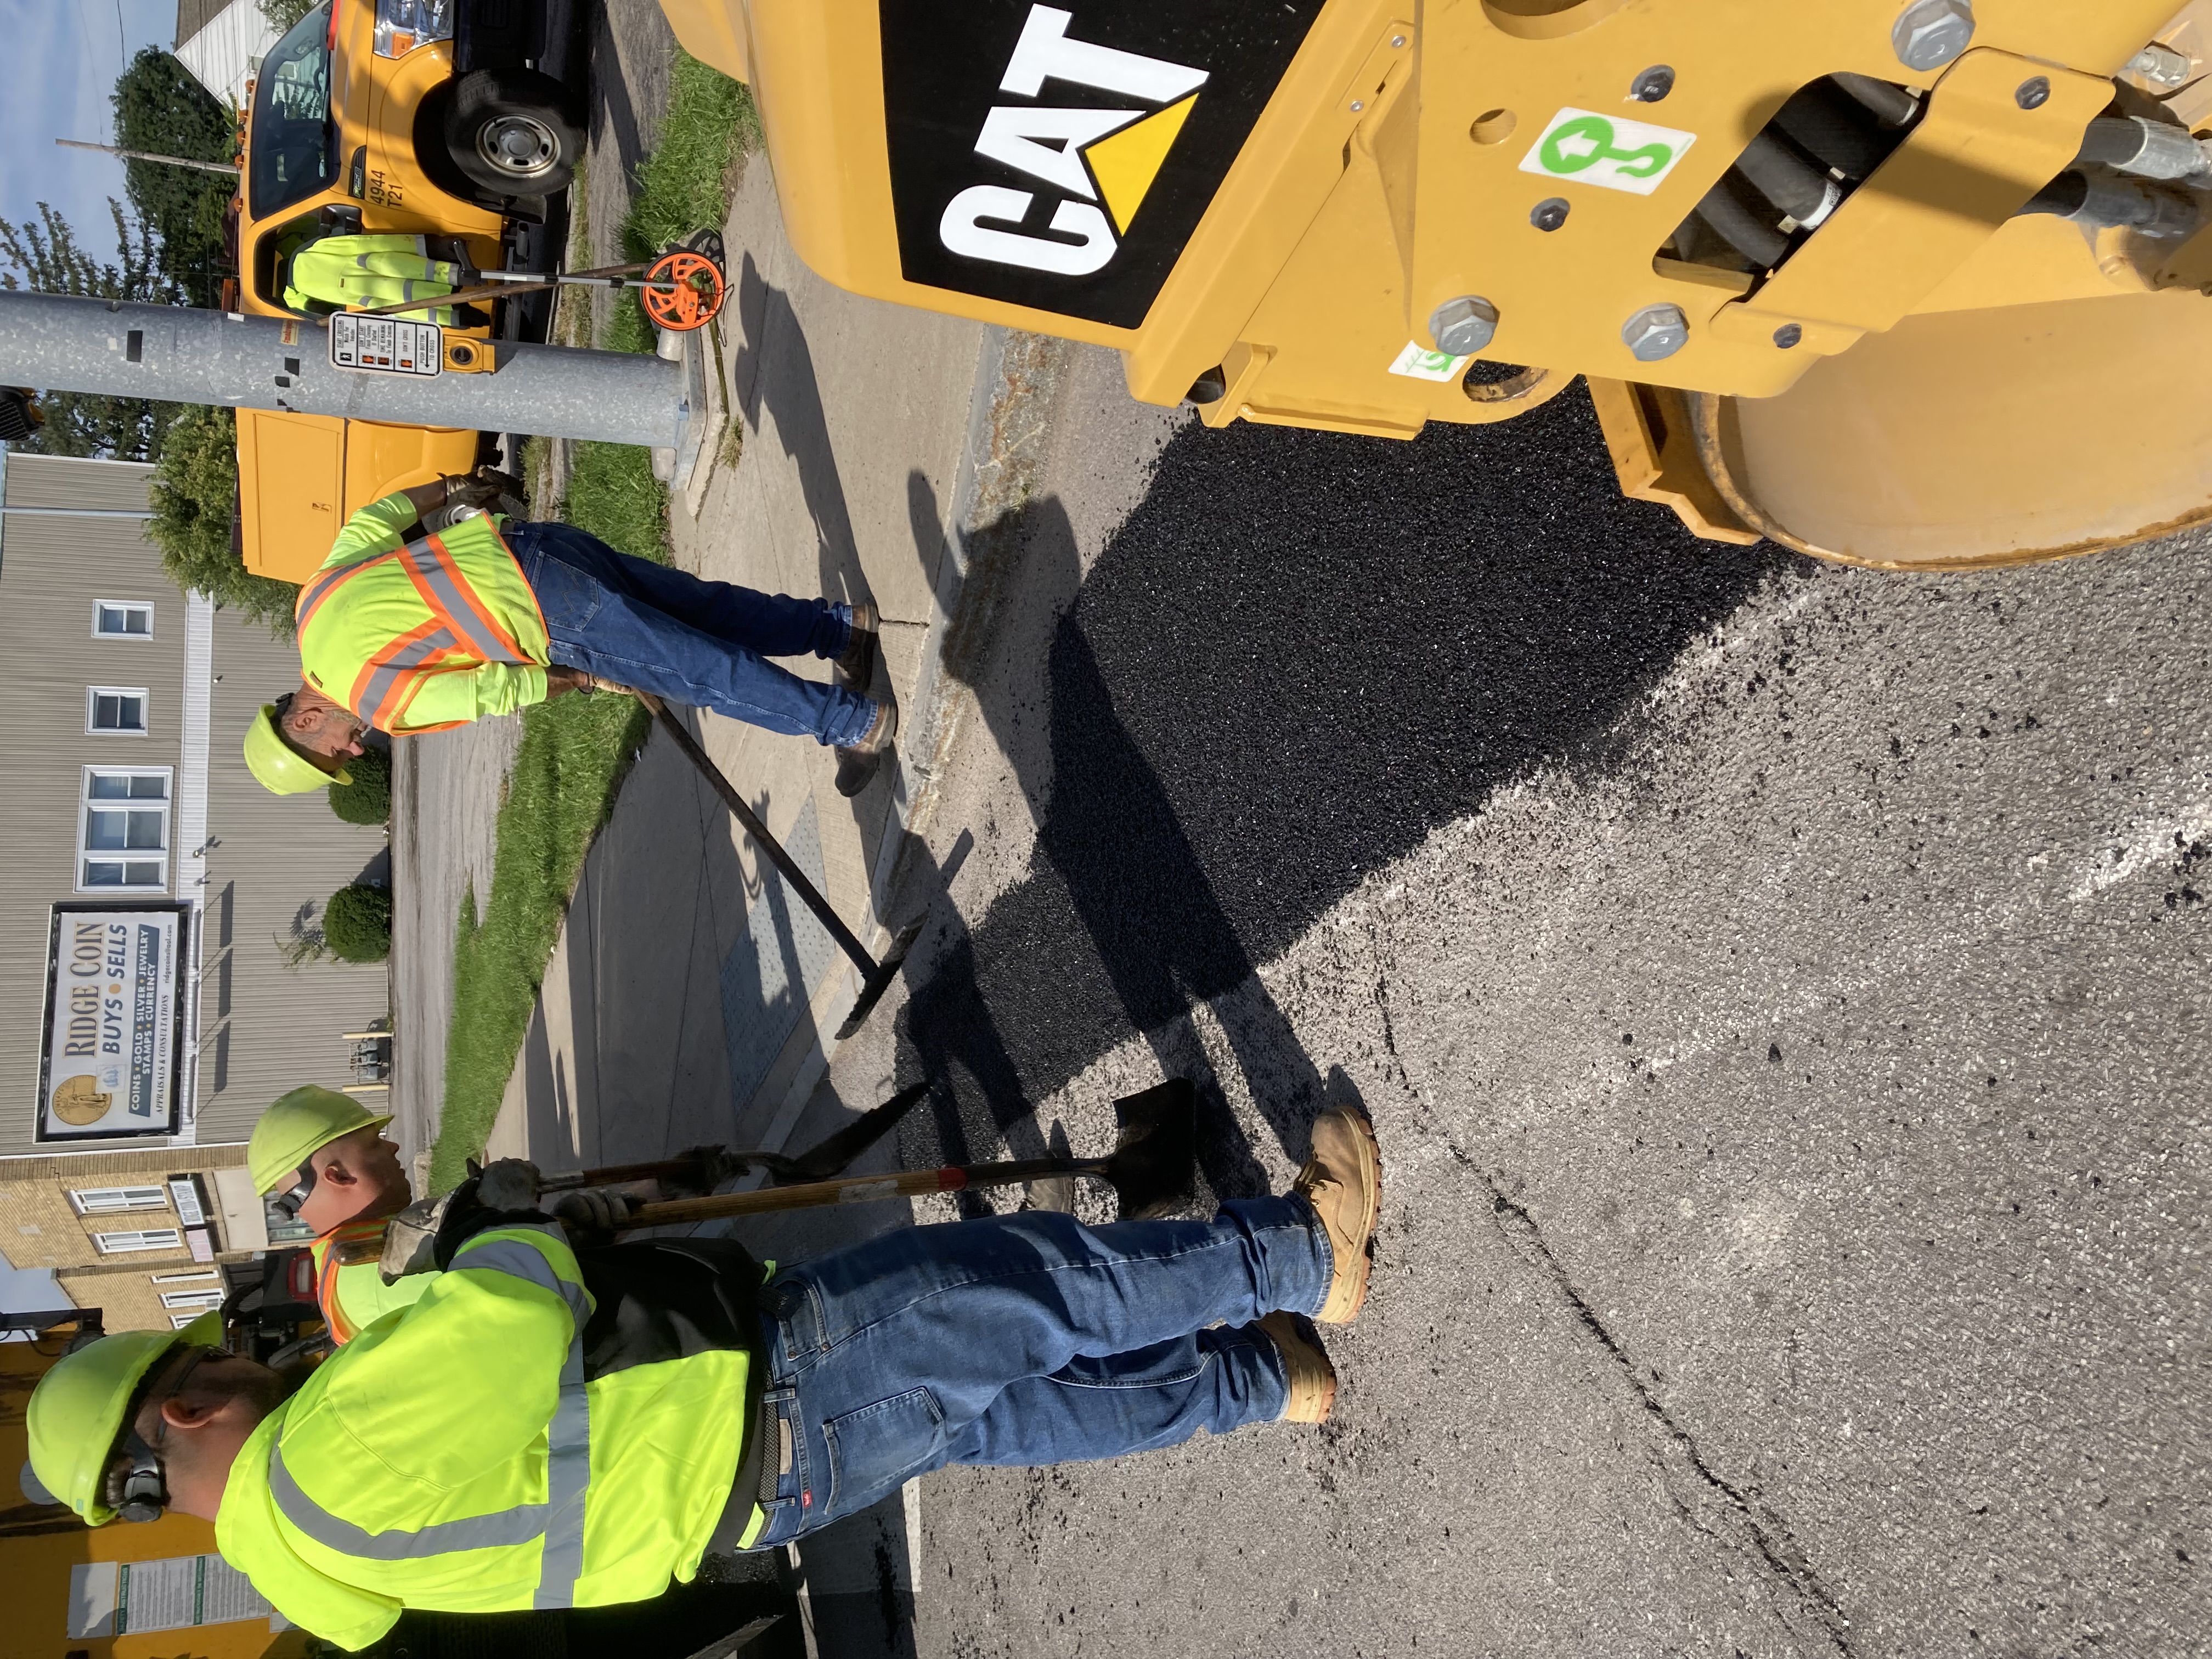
{"type": "Point", "coordinates": [326, 1298]}
{"type": "Point", "coordinates": [438, 578]}
{"type": "Point", "coordinates": [414, 681]}
{"type": "Point", "coordinates": [313, 595]}
{"type": "Point", "coordinates": [381, 675]}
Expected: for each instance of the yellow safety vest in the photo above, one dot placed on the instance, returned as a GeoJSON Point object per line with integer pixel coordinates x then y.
{"type": "Point", "coordinates": [352, 1294]}
{"type": "Point", "coordinates": [462, 1456]}
{"type": "Point", "coordinates": [420, 635]}
{"type": "Point", "coordinates": [361, 272]}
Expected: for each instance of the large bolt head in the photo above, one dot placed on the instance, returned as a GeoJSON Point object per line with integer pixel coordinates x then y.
{"type": "Point", "coordinates": [1930, 34]}
{"type": "Point", "coordinates": [1656, 331]}
{"type": "Point", "coordinates": [1463, 326]}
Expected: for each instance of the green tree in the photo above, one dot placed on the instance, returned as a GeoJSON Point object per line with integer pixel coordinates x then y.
{"type": "Point", "coordinates": [195, 497]}
{"type": "Point", "coordinates": [357, 924]}
{"type": "Point", "coordinates": [48, 258]}
{"type": "Point", "coordinates": [162, 109]}
{"type": "Point", "coordinates": [284, 14]}
{"type": "Point", "coordinates": [367, 798]}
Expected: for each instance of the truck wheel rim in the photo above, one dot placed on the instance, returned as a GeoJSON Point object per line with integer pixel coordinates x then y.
{"type": "Point", "coordinates": [518, 146]}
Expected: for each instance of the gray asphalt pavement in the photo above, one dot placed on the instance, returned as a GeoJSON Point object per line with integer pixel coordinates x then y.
{"type": "Point", "coordinates": [1780, 991]}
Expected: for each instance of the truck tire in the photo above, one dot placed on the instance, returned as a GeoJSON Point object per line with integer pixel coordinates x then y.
{"type": "Point", "coordinates": [508, 132]}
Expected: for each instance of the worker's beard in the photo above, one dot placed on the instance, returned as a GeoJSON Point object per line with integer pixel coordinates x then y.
{"type": "Point", "coordinates": [265, 1390]}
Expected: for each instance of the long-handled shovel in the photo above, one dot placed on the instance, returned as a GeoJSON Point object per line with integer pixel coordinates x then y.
{"type": "Point", "coordinates": [876, 976]}
{"type": "Point", "coordinates": [1150, 1171]}
{"type": "Point", "coordinates": [707, 1167]}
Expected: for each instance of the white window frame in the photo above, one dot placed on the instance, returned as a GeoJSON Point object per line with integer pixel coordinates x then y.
{"type": "Point", "coordinates": [144, 606]}
{"type": "Point", "coordinates": [178, 1321]}
{"type": "Point", "coordinates": [92, 694]}
{"type": "Point", "coordinates": [117, 1200]}
{"type": "Point", "coordinates": [185, 1279]}
{"type": "Point", "coordinates": [149, 1239]}
{"type": "Point", "coordinates": [201, 1300]}
{"type": "Point", "coordinates": [85, 857]}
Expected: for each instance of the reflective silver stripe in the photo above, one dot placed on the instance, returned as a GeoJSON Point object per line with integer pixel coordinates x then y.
{"type": "Point", "coordinates": [460, 615]}
{"type": "Point", "coordinates": [501, 1528]}
{"type": "Point", "coordinates": [380, 684]}
{"type": "Point", "coordinates": [559, 1520]}
{"type": "Point", "coordinates": [568, 1473]}
{"type": "Point", "coordinates": [520, 1260]}
{"type": "Point", "coordinates": [568, 1436]}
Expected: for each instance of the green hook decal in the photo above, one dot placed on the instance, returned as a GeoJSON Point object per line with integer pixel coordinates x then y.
{"type": "Point", "coordinates": [1588, 140]}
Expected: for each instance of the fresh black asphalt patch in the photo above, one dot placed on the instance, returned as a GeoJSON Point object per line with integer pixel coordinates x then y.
{"type": "Point", "coordinates": [1299, 655]}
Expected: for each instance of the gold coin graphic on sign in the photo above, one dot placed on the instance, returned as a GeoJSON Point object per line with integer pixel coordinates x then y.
{"type": "Point", "coordinates": [80, 1100]}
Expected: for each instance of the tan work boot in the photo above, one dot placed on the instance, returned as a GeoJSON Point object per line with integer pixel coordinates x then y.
{"type": "Point", "coordinates": [1343, 1180]}
{"type": "Point", "coordinates": [1306, 1370]}
{"type": "Point", "coordinates": [858, 760]}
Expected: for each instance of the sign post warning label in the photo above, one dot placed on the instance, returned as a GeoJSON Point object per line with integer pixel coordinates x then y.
{"type": "Point", "coordinates": [389, 345]}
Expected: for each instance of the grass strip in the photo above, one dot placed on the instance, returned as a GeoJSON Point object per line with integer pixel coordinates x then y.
{"type": "Point", "coordinates": [576, 749]}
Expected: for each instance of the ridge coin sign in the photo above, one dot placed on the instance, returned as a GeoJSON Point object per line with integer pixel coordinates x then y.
{"type": "Point", "coordinates": [113, 1046]}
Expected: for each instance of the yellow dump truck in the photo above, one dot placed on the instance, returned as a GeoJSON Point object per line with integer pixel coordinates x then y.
{"type": "Point", "coordinates": [423, 117]}
{"type": "Point", "coordinates": [1915, 283]}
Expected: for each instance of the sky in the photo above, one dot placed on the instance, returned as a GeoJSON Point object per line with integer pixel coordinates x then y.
{"type": "Point", "coordinates": [56, 77]}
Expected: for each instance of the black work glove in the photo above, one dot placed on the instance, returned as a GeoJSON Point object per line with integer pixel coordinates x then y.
{"type": "Point", "coordinates": [592, 1213]}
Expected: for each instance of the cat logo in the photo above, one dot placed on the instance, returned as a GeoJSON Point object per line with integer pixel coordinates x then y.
{"type": "Point", "coordinates": [1087, 154]}
{"type": "Point", "coordinates": [1059, 158]}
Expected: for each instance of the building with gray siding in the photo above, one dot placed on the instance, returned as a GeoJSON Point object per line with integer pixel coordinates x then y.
{"type": "Point", "coordinates": [120, 719]}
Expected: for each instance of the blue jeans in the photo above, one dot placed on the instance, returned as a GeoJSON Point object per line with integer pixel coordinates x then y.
{"type": "Point", "coordinates": [702, 644]}
{"type": "Point", "coordinates": [1026, 1340]}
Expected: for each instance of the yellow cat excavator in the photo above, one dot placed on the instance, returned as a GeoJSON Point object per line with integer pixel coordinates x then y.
{"type": "Point", "coordinates": [1910, 284]}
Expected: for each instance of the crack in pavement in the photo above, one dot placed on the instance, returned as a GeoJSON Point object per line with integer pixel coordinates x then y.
{"type": "Point", "coordinates": [1778, 1554]}
{"type": "Point", "coordinates": [1782, 1563]}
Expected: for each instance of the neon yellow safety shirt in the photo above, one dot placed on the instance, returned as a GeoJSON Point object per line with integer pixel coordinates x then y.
{"type": "Point", "coordinates": [420, 635]}
{"type": "Point", "coordinates": [475, 1452]}
{"type": "Point", "coordinates": [364, 270]}
{"type": "Point", "coordinates": [349, 1286]}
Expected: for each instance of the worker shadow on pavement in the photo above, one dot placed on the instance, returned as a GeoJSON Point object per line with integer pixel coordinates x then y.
{"type": "Point", "coordinates": [1266, 685]}
{"type": "Point", "coordinates": [775, 386]}
{"type": "Point", "coordinates": [1090, 938]}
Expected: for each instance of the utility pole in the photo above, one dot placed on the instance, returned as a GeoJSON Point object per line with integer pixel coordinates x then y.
{"type": "Point", "coordinates": [148, 155]}
{"type": "Point", "coordinates": [176, 355]}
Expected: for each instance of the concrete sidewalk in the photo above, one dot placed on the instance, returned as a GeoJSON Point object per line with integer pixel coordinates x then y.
{"type": "Point", "coordinates": [691, 997]}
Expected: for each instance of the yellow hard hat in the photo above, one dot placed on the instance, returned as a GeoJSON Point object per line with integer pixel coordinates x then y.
{"type": "Point", "coordinates": [283, 769]}
{"type": "Point", "coordinates": [298, 1126]}
{"type": "Point", "coordinates": [76, 1410]}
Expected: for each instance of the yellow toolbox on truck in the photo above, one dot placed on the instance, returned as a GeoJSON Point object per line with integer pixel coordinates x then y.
{"type": "Point", "coordinates": [1905, 282]}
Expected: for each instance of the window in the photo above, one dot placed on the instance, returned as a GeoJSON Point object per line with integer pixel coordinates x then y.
{"type": "Point", "coordinates": [210, 1297]}
{"type": "Point", "coordinates": [124, 842]}
{"type": "Point", "coordinates": [155, 1238]}
{"type": "Point", "coordinates": [200, 1275]}
{"type": "Point", "coordinates": [178, 1320]}
{"type": "Point", "coordinates": [110, 1201]}
{"type": "Point", "coordinates": [122, 619]}
{"type": "Point", "coordinates": [119, 710]}
{"type": "Point", "coordinates": [295, 142]}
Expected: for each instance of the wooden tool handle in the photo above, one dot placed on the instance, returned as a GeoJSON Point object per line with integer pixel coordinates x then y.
{"type": "Point", "coordinates": [806, 1195]}
{"type": "Point", "coordinates": [862, 1189]}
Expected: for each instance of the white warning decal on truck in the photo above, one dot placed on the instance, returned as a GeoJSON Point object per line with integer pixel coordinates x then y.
{"type": "Point", "coordinates": [1585, 147]}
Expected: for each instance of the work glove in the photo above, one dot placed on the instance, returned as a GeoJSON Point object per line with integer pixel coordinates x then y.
{"type": "Point", "coordinates": [592, 1213]}
{"type": "Point", "coordinates": [508, 1183]}
{"type": "Point", "coordinates": [487, 488]}
{"type": "Point", "coordinates": [408, 1237]}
